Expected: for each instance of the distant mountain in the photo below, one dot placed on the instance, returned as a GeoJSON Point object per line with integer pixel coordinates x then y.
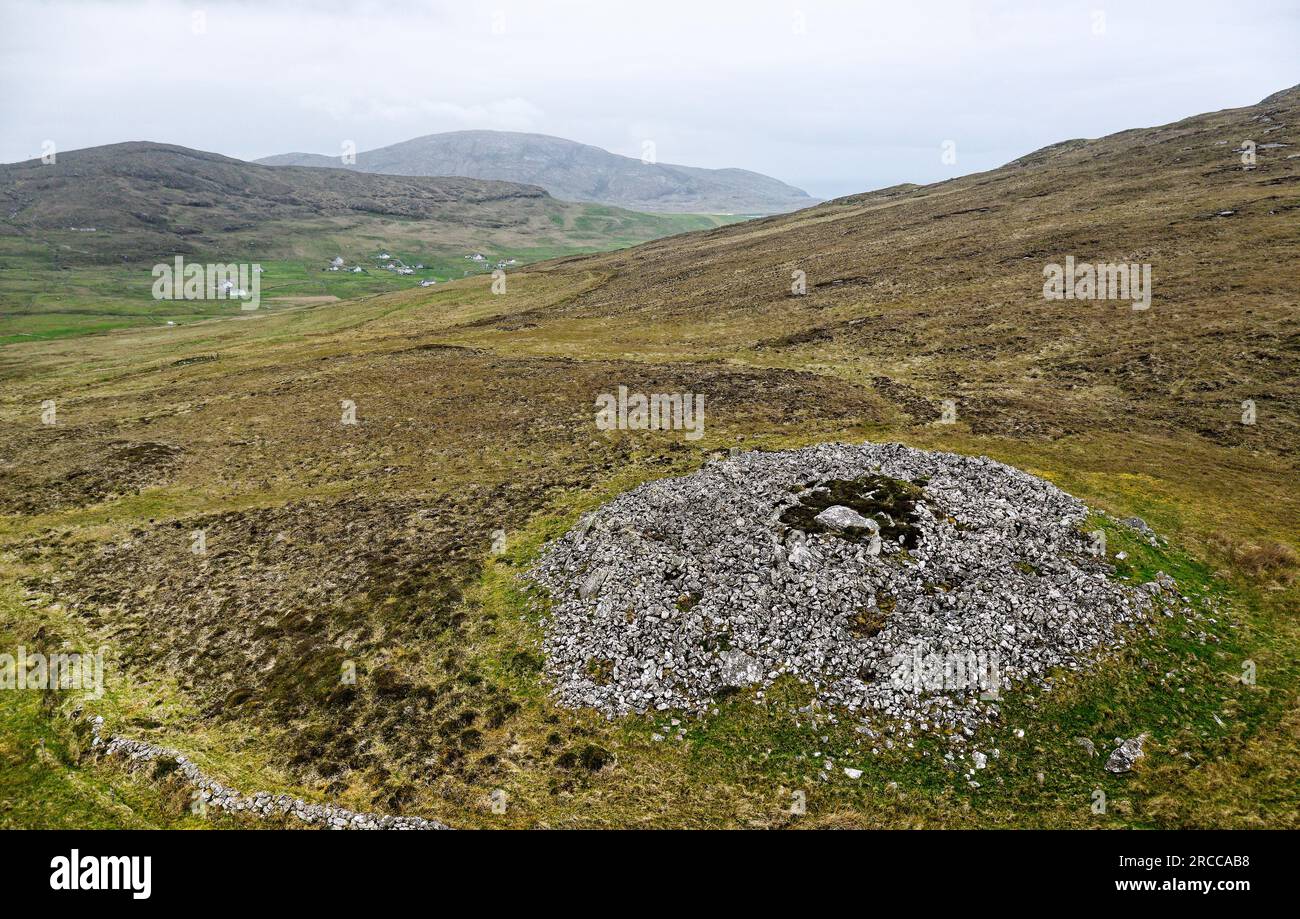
{"type": "Point", "coordinates": [573, 172]}
{"type": "Point", "coordinates": [155, 185]}
{"type": "Point", "coordinates": [144, 198]}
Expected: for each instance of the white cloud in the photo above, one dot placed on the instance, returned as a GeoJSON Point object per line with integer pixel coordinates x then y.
{"type": "Point", "coordinates": [357, 108]}
{"type": "Point", "coordinates": [862, 97]}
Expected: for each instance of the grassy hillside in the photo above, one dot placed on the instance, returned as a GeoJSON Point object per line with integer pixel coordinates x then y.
{"type": "Point", "coordinates": [82, 234]}
{"type": "Point", "coordinates": [369, 544]}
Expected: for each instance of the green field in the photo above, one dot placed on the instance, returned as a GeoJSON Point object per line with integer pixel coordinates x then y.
{"type": "Point", "coordinates": [56, 284]}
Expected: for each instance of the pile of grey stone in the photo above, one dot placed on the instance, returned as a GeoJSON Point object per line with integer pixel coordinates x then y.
{"type": "Point", "coordinates": [687, 589]}
{"type": "Point", "coordinates": [209, 793]}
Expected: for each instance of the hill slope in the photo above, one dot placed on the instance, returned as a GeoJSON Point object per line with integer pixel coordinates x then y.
{"type": "Point", "coordinates": [906, 283]}
{"type": "Point", "coordinates": [573, 172]}
{"type": "Point", "coordinates": [132, 205]}
{"type": "Point", "coordinates": [163, 198]}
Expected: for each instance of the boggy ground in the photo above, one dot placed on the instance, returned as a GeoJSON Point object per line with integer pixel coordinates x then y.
{"type": "Point", "coordinates": [329, 547]}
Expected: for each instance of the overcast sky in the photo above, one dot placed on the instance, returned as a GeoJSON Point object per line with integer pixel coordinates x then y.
{"type": "Point", "coordinates": [835, 97]}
